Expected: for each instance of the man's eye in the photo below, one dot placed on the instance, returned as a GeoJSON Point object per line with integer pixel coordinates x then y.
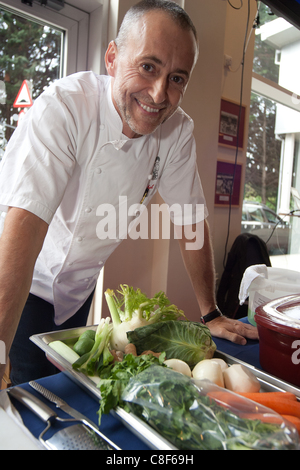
{"type": "Point", "coordinates": [178, 80]}
{"type": "Point", "coordinates": [148, 67]}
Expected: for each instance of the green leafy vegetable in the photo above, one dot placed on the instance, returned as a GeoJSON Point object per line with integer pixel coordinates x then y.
{"type": "Point", "coordinates": [85, 343]}
{"type": "Point", "coordinates": [100, 354]}
{"type": "Point", "coordinates": [174, 406]}
{"type": "Point", "coordinates": [189, 341]}
{"type": "Point", "coordinates": [130, 309]}
{"type": "Point", "coordinates": [115, 377]}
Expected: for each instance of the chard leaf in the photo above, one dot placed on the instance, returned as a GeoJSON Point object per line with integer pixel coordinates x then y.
{"type": "Point", "coordinates": [189, 341]}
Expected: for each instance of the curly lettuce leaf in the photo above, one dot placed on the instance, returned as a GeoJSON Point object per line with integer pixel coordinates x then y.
{"type": "Point", "coordinates": [189, 341]}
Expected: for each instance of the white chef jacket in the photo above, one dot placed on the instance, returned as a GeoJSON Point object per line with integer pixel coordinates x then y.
{"type": "Point", "coordinates": [69, 156]}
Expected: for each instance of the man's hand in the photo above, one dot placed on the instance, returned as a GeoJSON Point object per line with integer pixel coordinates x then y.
{"type": "Point", "coordinates": [232, 330]}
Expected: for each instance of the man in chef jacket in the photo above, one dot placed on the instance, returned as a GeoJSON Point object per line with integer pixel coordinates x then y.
{"type": "Point", "coordinates": [87, 141]}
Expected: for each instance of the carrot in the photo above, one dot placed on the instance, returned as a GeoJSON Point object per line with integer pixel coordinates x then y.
{"type": "Point", "coordinates": [264, 417]}
{"type": "Point", "coordinates": [281, 405]}
{"type": "Point", "coordinates": [293, 420]}
{"type": "Point", "coordinates": [229, 400]}
{"type": "Point", "coordinates": [284, 395]}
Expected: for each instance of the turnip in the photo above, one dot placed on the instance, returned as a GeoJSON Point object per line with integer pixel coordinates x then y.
{"type": "Point", "coordinates": [209, 369]}
{"type": "Point", "coordinates": [179, 366]}
{"type": "Point", "coordinates": [239, 379]}
{"type": "Point", "coordinates": [221, 362]}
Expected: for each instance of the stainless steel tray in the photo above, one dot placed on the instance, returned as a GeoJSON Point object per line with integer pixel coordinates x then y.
{"type": "Point", "coordinates": [153, 439]}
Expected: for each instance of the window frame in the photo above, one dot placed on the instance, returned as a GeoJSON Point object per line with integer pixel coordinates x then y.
{"type": "Point", "coordinates": [74, 22]}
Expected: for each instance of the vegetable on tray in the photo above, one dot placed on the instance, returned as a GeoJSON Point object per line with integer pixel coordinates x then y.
{"type": "Point", "coordinates": [131, 309]}
{"type": "Point", "coordinates": [161, 368]}
{"type": "Point", "coordinates": [115, 378]}
{"type": "Point", "coordinates": [185, 413]}
{"type": "Point", "coordinates": [91, 362]}
{"type": "Point", "coordinates": [188, 341]}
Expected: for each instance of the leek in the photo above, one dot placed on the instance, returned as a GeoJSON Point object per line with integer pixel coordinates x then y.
{"type": "Point", "coordinates": [64, 351]}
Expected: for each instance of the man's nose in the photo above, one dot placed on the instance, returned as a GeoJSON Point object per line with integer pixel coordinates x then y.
{"type": "Point", "coordinates": [158, 90]}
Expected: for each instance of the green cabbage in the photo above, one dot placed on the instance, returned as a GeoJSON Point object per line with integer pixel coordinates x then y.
{"type": "Point", "coordinates": [189, 341]}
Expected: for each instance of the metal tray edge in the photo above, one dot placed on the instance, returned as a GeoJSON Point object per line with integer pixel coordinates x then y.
{"type": "Point", "coordinates": [137, 426]}
{"type": "Point", "coordinates": [144, 432]}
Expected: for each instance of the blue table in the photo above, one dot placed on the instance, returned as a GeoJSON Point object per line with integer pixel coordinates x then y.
{"type": "Point", "coordinates": [66, 389]}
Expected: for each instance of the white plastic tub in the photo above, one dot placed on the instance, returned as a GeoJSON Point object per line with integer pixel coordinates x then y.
{"type": "Point", "coordinates": [270, 285]}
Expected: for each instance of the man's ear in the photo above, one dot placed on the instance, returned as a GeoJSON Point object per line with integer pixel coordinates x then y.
{"type": "Point", "coordinates": [111, 58]}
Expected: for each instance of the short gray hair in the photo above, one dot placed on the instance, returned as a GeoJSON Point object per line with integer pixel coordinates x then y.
{"type": "Point", "coordinates": [136, 12]}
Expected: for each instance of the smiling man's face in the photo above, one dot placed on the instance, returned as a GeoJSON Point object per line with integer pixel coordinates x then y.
{"type": "Point", "coordinates": [151, 72]}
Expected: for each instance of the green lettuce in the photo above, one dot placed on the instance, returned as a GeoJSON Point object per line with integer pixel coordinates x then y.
{"type": "Point", "coordinates": [189, 341]}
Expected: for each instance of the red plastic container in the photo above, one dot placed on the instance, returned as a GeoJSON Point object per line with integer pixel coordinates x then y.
{"type": "Point", "coordinates": [278, 324]}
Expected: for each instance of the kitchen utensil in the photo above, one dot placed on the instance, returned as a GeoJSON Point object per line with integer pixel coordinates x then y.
{"type": "Point", "coordinates": [80, 436]}
{"type": "Point", "coordinates": [61, 404]}
{"type": "Point", "coordinates": [278, 324]}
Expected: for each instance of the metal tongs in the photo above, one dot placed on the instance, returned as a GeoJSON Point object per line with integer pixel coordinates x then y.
{"type": "Point", "coordinates": [81, 436]}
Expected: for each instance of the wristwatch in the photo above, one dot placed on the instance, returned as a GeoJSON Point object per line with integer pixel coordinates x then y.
{"type": "Point", "coordinates": [211, 316]}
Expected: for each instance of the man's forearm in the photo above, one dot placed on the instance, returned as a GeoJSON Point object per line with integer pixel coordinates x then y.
{"type": "Point", "coordinates": [200, 268]}
{"type": "Point", "coordinates": [20, 244]}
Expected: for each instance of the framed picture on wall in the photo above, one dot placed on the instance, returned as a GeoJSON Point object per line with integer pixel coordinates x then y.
{"type": "Point", "coordinates": [231, 133]}
{"type": "Point", "coordinates": [228, 179]}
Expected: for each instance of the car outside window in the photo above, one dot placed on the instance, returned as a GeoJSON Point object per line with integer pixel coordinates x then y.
{"type": "Point", "coordinates": [272, 218]}
{"type": "Point", "coordinates": [256, 214]}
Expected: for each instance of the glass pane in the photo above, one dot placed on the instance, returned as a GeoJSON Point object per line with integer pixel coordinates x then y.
{"type": "Point", "coordinates": [264, 54]}
{"type": "Point", "coordinates": [277, 49]}
{"type": "Point", "coordinates": [29, 51]}
{"type": "Point", "coordinates": [263, 156]}
{"type": "Point", "coordinates": [272, 217]}
{"type": "Point", "coordinates": [273, 178]}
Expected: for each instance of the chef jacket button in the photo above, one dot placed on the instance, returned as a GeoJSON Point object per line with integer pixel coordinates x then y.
{"type": "Point", "coordinates": [86, 280]}
{"type": "Point", "coordinates": [98, 171]}
{"type": "Point", "coordinates": [79, 239]}
{"type": "Point", "coordinates": [102, 127]}
{"type": "Point", "coordinates": [101, 263]}
{"type": "Point", "coordinates": [88, 210]}
{"type": "Point", "coordinates": [58, 281]}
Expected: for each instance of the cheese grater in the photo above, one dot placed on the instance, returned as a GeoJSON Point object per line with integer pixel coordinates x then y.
{"type": "Point", "coordinates": [80, 436]}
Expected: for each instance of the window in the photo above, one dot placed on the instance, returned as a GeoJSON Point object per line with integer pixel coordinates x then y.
{"type": "Point", "coordinates": [272, 218]}
{"type": "Point", "coordinates": [255, 214]}
{"type": "Point", "coordinates": [37, 45]}
{"type": "Point", "coordinates": [29, 51]}
{"type": "Point", "coordinates": [272, 170]}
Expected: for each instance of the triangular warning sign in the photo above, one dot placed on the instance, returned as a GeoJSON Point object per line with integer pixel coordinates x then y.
{"type": "Point", "coordinates": [23, 99]}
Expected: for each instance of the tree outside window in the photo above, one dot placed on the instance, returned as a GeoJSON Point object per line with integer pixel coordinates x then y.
{"type": "Point", "coordinates": [29, 51]}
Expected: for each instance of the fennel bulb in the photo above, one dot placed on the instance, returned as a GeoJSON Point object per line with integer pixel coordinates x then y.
{"type": "Point", "coordinates": [132, 309]}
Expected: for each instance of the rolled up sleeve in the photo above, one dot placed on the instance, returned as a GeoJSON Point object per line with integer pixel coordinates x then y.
{"type": "Point", "coordinates": [39, 159]}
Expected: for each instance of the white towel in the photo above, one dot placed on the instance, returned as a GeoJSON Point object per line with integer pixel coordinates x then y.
{"type": "Point", "coordinates": [13, 434]}
{"type": "Point", "coordinates": [250, 274]}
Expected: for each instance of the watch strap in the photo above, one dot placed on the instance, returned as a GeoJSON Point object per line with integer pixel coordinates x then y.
{"type": "Point", "coordinates": [211, 316]}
